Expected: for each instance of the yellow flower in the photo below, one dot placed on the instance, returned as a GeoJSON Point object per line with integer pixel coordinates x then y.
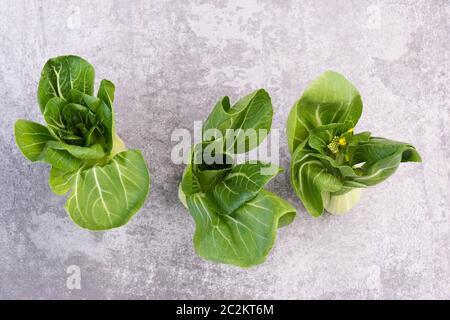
{"type": "Point", "coordinates": [350, 130]}
{"type": "Point", "coordinates": [342, 141]}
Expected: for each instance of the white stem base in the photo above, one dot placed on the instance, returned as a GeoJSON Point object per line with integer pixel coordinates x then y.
{"type": "Point", "coordinates": [182, 196]}
{"type": "Point", "coordinates": [343, 203]}
{"type": "Point", "coordinates": [118, 147]}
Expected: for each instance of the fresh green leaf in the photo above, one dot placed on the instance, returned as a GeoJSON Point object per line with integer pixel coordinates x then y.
{"type": "Point", "coordinates": [329, 99]}
{"type": "Point", "coordinates": [376, 149]}
{"type": "Point", "coordinates": [105, 197]}
{"type": "Point", "coordinates": [59, 158]}
{"type": "Point", "coordinates": [105, 121]}
{"type": "Point", "coordinates": [106, 92]}
{"type": "Point", "coordinates": [53, 116]}
{"type": "Point", "coordinates": [208, 175]}
{"type": "Point", "coordinates": [60, 181]}
{"type": "Point", "coordinates": [241, 184]}
{"type": "Point", "coordinates": [84, 153]}
{"type": "Point", "coordinates": [244, 237]}
{"type": "Point", "coordinates": [250, 115]}
{"type": "Point", "coordinates": [190, 183]}
{"type": "Point", "coordinates": [62, 74]}
{"type": "Point", "coordinates": [381, 158]}
{"type": "Point", "coordinates": [310, 178]}
{"type": "Point", "coordinates": [31, 137]}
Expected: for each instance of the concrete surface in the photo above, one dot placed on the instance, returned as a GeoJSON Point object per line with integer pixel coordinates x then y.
{"type": "Point", "coordinates": [170, 61]}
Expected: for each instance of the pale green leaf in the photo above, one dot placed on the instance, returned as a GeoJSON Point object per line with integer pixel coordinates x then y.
{"type": "Point", "coordinates": [31, 138]}
{"type": "Point", "coordinates": [60, 181]}
{"type": "Point", "coordinates": [85, 153]}
{"type": "Point", "coordinates": [311, 177]}
{"type": "Point", "coordinates": [105, 197]}
{"type": "Point", "coordinates": [59, 158]}
{"type": "Point", "coordinates": [330, 98]}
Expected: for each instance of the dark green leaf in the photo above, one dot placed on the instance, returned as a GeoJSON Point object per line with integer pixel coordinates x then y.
{"type": "Point", "coordinates": [244, 237]}
{"type": "Point", "coordinates": [381, 158]}
{"type": "Point", "coordinates": [250, 118]}
{"type": "Point", "coordinates": [189, 183]}
{"type": "Point", "coordinates": [106, 92]}
{"type": "Point", "coordinates": [62, 74]}
{"type": "Point", "coordinates": [241, 184]}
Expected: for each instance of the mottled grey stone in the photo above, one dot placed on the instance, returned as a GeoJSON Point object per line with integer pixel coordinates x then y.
{"type": "Point", "coordinates": [170, 61]}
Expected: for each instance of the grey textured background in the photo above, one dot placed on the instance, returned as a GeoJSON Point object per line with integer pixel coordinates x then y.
{"type": "Point", "coordinates": [170, 61]}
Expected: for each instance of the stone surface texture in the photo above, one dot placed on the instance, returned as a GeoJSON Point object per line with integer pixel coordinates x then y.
{"type": "Point", "coordinates": [171, 61]}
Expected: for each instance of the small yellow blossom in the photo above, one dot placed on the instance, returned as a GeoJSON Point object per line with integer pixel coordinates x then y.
{"type": "Point", "coordinates": [350, 130]}
{"type": "Point", "coordinates": [342, 141]}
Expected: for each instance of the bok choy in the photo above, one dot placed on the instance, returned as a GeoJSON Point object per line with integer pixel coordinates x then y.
{"type": "Point", "coordinates": [108, 183]}
{"type": "Point", "coordinates": [331, 163]}
{"type": "Point", "coordinates": [236, 218]}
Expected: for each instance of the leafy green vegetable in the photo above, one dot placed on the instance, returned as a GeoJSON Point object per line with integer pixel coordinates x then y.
{"type": "Point", "coordinates": [108, 183]}
{"type": "Point", "coordinates": [236, 218]}
{"type": "Point", "coordinates": [330, 163]}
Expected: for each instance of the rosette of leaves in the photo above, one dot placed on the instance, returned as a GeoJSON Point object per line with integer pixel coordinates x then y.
{"type": "Point", "coordinates": [108, 183]}
{"type": "Point", "coordinates": [236, 218]}
{"type": "Point", "coordinates": [331, 163]}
